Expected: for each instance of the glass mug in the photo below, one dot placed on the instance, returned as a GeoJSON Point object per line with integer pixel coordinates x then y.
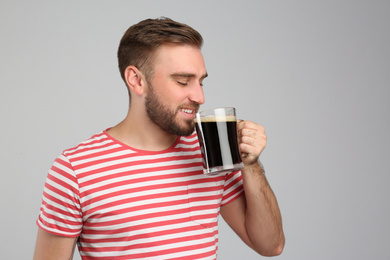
{"type": "Point", "coordinates": [217, 134]}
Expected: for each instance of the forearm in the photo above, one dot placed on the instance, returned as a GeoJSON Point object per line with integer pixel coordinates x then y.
{"type": "Point", "coordinates": [263, 220]}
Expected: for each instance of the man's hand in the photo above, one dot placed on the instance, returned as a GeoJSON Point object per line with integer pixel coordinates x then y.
{"type": "Point", "coordinates": [251, 141]}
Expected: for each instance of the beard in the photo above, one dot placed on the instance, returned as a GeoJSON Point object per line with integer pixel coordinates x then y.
{"type": "Point", "coordinates": [164, 117]}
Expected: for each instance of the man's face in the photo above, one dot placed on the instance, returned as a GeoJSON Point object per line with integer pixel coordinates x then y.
{"type": "Point", "coordinates": [175, 91]}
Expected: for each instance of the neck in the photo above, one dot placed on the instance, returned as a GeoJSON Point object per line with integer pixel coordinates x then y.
{"type": "Point", "coordinates": [139, 132]}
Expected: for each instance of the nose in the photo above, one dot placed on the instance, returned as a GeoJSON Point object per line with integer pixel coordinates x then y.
{"type": "Point", "coordinates": [197, 95]}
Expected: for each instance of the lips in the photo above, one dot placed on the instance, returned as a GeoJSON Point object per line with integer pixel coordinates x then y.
{"type": "Point", "coordinates": [187, 110]}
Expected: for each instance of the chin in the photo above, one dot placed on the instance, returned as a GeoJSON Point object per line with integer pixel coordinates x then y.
{"type": "Point", "coordinates": [187, 131]}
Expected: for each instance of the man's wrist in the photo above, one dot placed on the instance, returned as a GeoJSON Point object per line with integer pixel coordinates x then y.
{"type": "Point", "coordinates": [256, 167]}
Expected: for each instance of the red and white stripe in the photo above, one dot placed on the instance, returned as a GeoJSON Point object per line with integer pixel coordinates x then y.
{"type": "Point", "coordinates": [125, 203]}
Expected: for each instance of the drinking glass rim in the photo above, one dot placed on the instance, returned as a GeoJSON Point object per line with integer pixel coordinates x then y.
{"type": "Point", "coordinates": [212, 109]}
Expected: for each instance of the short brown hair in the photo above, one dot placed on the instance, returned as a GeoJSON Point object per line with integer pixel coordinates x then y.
{"type": "Point", "coordinates": [140, 41]}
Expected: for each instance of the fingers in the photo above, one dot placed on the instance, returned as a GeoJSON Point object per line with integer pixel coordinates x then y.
{"type": "Point", "coordinates": [252, 140]}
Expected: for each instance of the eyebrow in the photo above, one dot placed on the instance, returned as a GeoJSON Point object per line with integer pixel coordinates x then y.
{"type": "Point", "coordinates": [187, 75]}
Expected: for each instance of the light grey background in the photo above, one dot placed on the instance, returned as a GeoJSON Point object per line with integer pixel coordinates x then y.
{"type": "Point", "coordinates": [314, 73]}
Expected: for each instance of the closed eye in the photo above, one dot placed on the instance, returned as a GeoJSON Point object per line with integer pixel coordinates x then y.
{"type": "Point", "coordinates": [183, 78]}
{"type": "Point", "coordinates": [182, 83]}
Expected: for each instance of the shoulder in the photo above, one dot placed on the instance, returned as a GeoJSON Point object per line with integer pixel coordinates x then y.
{"type": "Point", "coordinates": [96, 144]}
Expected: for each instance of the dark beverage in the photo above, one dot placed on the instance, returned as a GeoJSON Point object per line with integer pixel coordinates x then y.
{"type": "Point", "coordinates": [218, 142]}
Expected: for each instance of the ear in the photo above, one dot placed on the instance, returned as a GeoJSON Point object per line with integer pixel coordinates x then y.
{"type": "Point", "coordinates": [135, 80]}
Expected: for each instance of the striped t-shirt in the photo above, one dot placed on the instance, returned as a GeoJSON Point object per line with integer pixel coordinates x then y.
{"type": "Point", "coordinates": [125, 203]}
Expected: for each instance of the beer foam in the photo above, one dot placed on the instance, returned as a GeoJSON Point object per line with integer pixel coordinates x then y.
{"type": "Point", "coordinates": [217, 119]}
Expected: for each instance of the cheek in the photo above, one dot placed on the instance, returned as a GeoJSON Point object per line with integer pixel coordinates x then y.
{"type": "Point", "coordinates": [169, 93]}
{"type": "Point", "coordinates": [174, 97]}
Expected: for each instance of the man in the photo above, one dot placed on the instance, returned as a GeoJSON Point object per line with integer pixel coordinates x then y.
{"type": "Point", "coordinates": [136, 190]}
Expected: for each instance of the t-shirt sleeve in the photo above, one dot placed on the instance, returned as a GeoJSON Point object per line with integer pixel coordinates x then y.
{"type": "Point", "coordinates": [233, 187]}
{"type": "Point", "coordinates": [60, 211]}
